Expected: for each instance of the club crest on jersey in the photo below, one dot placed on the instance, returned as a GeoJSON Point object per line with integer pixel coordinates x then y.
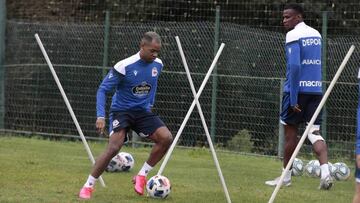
{"type": "Point", "coordinates": [154, 72]}
{"type": "Point", "coordinates": [141, 90]}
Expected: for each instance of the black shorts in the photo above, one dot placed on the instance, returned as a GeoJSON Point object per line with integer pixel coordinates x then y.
{"type": "Point", "coordinates": [308, 104]}
{"type": "Point", "coordinates": [144, 123]}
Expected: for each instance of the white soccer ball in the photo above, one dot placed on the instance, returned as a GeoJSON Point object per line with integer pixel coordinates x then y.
{"type": "Point", "coordinates": [340, 171]}
{"type": "Point", "coordinates": [158, 186]}
{"type": "Point", "coordinates": [123, 161]}
{"type": "Point", "coordinates": [312, 169]}
{"type": "Point", "coordinates": [297, 167]}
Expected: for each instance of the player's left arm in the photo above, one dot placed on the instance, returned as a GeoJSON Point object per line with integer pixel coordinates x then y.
{"type": "Point", "coordinates": [293, 49]}
{"type": "Point", "coordinates": [152, 99]}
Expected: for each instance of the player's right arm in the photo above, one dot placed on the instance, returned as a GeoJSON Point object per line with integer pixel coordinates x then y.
{"type": "Point", "coordinates": [112, 79]}
{"type": "Point", "coordinates": [294, 64]}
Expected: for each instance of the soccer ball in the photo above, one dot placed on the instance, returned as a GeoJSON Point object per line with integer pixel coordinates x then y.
{"type": "Point", "coordinates": [340, 171]}
{"type": "Point", "coordinates": [127, 161]}
{"type": "Point", "coordinates": [158, 186]}
{"type": "Point", "coordinates": [297, 167]}
{"type": "Point", "coordinates": [312, 169]}
{"type": "Point", "coordinates": [123, 161]}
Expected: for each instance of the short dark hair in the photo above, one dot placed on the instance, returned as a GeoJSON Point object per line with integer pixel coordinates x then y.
{"type": "Point", "coordinates": [296, 7]}
{"type": "Point", "coordinates": [150, 36]}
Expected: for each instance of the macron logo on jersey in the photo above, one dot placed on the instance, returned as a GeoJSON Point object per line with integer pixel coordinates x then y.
{"type": "Point", "coordinates": [310, 83]}
{"type": "Point", "coordinates": [135, 72]}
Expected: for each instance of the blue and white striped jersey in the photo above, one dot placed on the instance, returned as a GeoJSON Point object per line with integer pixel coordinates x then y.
{"type": "Point", "coordinates": [303, 62]}
{"type": "Point", "coordinates": [135, 82]}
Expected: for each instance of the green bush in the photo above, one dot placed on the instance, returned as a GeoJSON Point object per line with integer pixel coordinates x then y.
{"type": "Point", "coordinates": [241, 141]}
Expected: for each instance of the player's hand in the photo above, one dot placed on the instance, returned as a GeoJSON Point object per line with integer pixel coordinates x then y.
{"type": "Point", "coordinates": [296, 108]}
{"type": "Point", "coordinates": [100, 125]}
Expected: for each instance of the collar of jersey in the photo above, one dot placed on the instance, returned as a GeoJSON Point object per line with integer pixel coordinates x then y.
{"type": "Point", "coordinates": [302, 24]}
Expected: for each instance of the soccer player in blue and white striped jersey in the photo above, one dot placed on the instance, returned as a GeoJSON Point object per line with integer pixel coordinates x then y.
{"type": "Point", "coordinates": [135, 81]}
{"type": "Point", "coordinates": [302, 90]}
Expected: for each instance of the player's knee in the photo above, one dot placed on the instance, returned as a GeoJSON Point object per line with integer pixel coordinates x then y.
{"type": "Point", "coordinates": [166, 139]}
{"type": "Point", "coordinates": [162, 136]}
{"type": "Point", "coordinates": [314, 134]}
{"type": "Point", "coordinates": [169, 139]}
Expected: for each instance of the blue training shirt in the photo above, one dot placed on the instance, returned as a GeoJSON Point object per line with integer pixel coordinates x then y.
{"type": "Point", "coordinates": [303, 62]}
{"type": "Point", "coordinates": [135, 81]}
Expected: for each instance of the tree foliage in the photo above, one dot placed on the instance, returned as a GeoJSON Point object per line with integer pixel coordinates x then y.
{"type": "Point", "coordinates": [342, 17]}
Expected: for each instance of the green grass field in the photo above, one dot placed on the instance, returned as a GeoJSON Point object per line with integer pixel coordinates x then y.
{"type": "Point", "coordinates": [33, 170]}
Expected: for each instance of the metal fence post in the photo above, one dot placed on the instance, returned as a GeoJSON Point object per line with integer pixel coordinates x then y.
{"type": "Point", "coordinates": [214, 82]}
{"type": "Point", "coordinates": [281, 126]}
{"type": "Point", "coordinates": [2, 61]}
{"type": "Point", "coordinates": [324, 69]}
{"type": "Point", "coordinates": [106, 43]}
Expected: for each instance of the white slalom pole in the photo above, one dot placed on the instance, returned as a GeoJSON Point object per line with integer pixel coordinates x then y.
{"type": "Point", "coordinates": [318, 109]}
{"type": "Point", "coordinates": [87, 148]}
{"type": "Point", "coordinates": [168, 154]}
{"type": "Point", "coordinates": [203, 120]}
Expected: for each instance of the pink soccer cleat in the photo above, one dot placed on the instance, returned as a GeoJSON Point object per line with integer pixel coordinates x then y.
{"type": "Point", "coordinates": [140, 182]}
{"type": "Point", "coordinates": [85, 192]}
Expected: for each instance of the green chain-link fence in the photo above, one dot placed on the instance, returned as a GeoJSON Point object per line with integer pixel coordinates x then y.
{"type": "Point", "coordinates": [249, 73]}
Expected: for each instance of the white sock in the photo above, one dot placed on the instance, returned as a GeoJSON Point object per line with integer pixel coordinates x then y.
{"type": "Point", "coordinates": [145, 169]}
{"type": "Point", "coordinates": [90, 181]}
{"type": "Point", "coordinates": [287, 175]}
{"type": "Point", "coordinates": [324, 170]}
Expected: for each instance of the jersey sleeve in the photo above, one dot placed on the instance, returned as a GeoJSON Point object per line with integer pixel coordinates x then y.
{"type": "Point", "coordinates": [112, 79]}
{"type": "Point", "coordinates": [152, 100]}
{"type": "Point", "coordinates": [293, 49]}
